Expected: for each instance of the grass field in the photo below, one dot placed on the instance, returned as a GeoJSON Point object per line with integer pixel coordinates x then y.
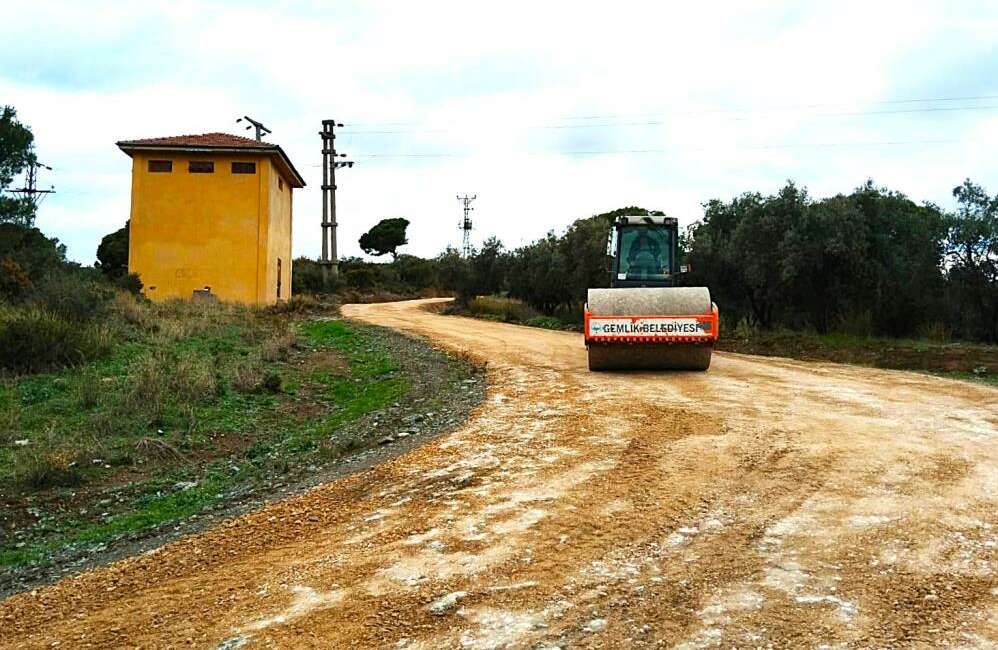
{"type": "Point", "coordinates": [197, 404]}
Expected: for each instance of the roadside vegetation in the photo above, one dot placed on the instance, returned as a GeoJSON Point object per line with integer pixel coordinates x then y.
{"type": "Point", "coordinates": [121, 418]}
{"type": "Point", "coordinates": [192, 402]}
{"type": "Point", "coordinates": [868, 277]}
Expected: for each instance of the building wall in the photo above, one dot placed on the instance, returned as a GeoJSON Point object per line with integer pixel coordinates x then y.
{"type": "Point", "coordinates": [192, 230]}
{"type": "Point", "coordinates": [279, 200]}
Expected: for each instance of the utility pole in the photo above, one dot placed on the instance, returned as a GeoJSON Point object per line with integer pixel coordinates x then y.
{"type": "Point", "coordinates": [465, 224]}
{"type": "Point", "coordinates": [261, 130]}
{"type": "Point", "coordinates": [330, 266]}
{"type": "Point", "coordinates": [30, 190]}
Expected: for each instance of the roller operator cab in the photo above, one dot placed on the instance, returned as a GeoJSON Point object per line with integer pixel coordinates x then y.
{"type": "Point", "coordinates": [644, 321]}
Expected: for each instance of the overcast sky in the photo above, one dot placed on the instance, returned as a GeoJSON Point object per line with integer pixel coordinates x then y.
{"type": "Point", "coordinates": [549, 111]}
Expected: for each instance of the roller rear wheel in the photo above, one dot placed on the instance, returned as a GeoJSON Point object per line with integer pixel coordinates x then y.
{"type": "Point", "coordinates": [649, 356]}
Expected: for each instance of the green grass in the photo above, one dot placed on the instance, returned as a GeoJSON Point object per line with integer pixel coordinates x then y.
{"type": "Point", "coordinates": [957, 360]}
{"type": "Point", "coordinates": [510, 310]}
{"type": "Point", "coordinates": [988, 379]}
{"type": "Point", "coordinates": [46, 409]}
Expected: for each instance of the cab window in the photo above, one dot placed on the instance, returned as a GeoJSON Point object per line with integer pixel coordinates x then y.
{"type": "Point", "coordinates": [644, 253]}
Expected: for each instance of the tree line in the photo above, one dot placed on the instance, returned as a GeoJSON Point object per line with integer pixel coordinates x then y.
{"type": "Point", "coordinates": [871, 262]}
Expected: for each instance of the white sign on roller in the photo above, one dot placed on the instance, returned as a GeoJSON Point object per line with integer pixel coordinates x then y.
{"type": "Point", "coordinates": [602, 326]}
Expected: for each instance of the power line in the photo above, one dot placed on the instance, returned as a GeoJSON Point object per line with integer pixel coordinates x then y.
{"type": "Point", "coordinates": [788, 107]}
{"type": "Point", "coordinates": [587, 152]}
{"type": "Point", "coordinates": [709, 111]}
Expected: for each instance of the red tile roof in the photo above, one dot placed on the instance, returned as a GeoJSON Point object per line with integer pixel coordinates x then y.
{"type": "Point", "coordinates": [221, 142]}
{"type": "Point", "coordinates": [203, 140]}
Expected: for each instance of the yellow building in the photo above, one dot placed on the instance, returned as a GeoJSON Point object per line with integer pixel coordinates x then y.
{"type": "Point", "coordinates": [211, 214]}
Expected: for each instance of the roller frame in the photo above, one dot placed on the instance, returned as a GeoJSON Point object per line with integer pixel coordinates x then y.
{"type": "Point", "coordinates": [637, 351]}
{"type": "Point", "coordinates": [711, 319]}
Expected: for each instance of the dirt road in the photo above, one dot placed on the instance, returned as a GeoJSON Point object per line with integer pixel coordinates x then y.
{"type": "Point", "coordinates": [764, 503]}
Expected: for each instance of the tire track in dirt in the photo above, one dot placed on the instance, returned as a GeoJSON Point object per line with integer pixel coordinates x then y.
{"type": "Point", "coordinates": [767, 502]}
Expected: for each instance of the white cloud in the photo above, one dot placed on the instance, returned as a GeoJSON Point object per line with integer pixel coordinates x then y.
{"type": "Point", "coordinates": [722, 83]}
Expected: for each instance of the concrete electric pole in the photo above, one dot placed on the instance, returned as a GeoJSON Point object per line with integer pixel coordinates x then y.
{"type": "Point", "coordinates": [330, 266]}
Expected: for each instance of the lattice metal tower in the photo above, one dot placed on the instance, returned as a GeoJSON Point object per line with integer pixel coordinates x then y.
{"type": "Point", "coordinates": [465, 224]}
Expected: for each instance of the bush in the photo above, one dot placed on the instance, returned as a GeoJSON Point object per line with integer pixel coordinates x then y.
{"type": "Point", "coordinates": [546, 322]}
{"type": "Point", "coordinates": [73, 296]}
{"type": "Point", "coordinates": [277, 347]}
{"type": "Point", "coordinates": [50, 468]}
{"type": "Point", "coordinates": [112, 253]}
{"type": "Point", "coordinates": [247, 377]}
{"type": "Point", "coordinates": [35, 339]}
{"type": "Point", "coordinates": [146, 388]}
{"type": "Point", "coordinates": [505, 309]}
{"type": "Point", "coordinates": [14, 282]}
{"type": "Point", "coordinates": [89, 390]}
{"type": "Point", "coordinates": [306, 276]}
{"type": "Point", "coordinates": [271, 382]}
{"type": "Point", "coordinates": [133, 310]}
{"type": "Point", "coordinates": [854, 323]}
{"type": "Point", "coordinates": [34, 252]}
{"type": "Point", "coordinates": [415, 272]}
{"type": "Point", "coordinates": [301, 304]}
{"type": "Point", "coordinates": [191, 379]}
{"type": "Point", "coordinates": [935, 331]}
{"type": "Point", "coordinates": [130, 282]}
{"type": "Point", "coordinates": [360, 278]}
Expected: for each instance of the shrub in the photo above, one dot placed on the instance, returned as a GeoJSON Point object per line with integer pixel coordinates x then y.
{"type": "Point", "coordinates": [112, 253]}
{"type": "Point", "coordinates": [505, 309]}
{"type": "Point", "coordinates": [49, 468]}
{"type": "Point", "coordinates": [935, 331]}
{"type": "Point", "coordinates": [10, 420]}
{"type": "Point", "coordinates": [146, 388]}
{"type": "Point", "coordinates": [277, 346]}
{"type": "Point", "coordinates": [746, 328]}
{"type": "Point", "coordinates": [104, 424]}
{"type": "Point", "coordinates": [271, 382]}
{"type": "Point", "coordinates": [855, 323]}
{"type": "Point", "coordinates": [547, 322]}
{"type": "Point", "coordinates": [133, 310]}
{"type": "Point", "coordinates": [34, 252]}
{"type": "Point", "coordinates": [14, 282]}
{"type": "Point", "coordinates": [360, 278]}
{"type": "Point", "coordinates": [89, 390]}
{"type": "Point", "coordinates": [191, 379]}
{"type": "Point", "coordinates": [300, 304]}
{"type": "Point", "coordinates": [306, 276]}
{"type": "Point", "coordinates": [35, 339]}
{"type": "Point", "coordinates": [130, 282]}
{"type": "Point", "coordinates": [415, 272]}
{"type": "Point", "coordinates": [73, 296]}
{"type": "Point", "coordinates": [246, 377]}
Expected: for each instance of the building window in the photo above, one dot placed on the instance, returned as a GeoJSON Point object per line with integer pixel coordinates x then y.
{"type": "Point", "coordinates": [201, 167]}
{"type": "Point", "coordinates": [161, 166]}
{"type": "Point", "coordinates": [280, 184]}
{"type": "Point", "coordinates": [244, 168]}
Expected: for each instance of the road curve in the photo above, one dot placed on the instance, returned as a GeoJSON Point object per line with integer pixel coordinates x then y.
{"type": "Point", "coordinates": [765, 503]}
